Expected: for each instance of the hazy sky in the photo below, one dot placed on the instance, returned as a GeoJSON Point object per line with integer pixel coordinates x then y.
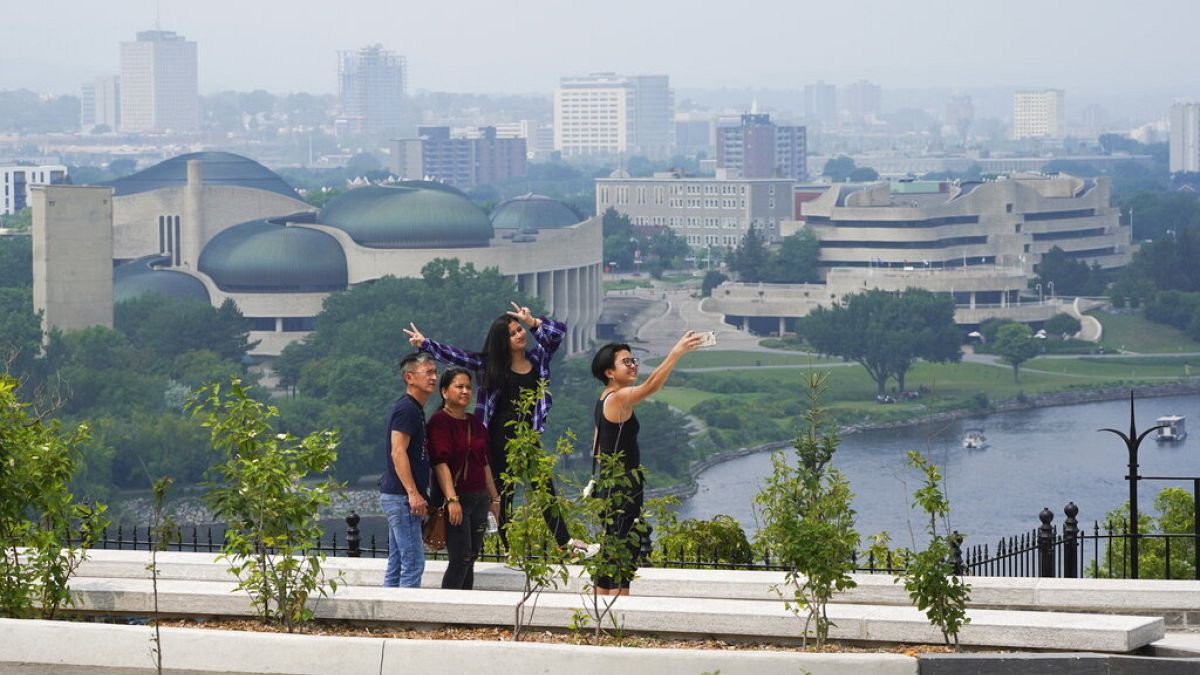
{"type": "Point", "coordinates": [472, 45]}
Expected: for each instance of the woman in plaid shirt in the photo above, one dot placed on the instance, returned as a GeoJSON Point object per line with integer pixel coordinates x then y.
{"type": "Point", "coordinates": [505, 366]}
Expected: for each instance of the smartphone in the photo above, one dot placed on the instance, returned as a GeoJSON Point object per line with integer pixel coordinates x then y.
{"type": "Point", "coordinates": [708, 339]}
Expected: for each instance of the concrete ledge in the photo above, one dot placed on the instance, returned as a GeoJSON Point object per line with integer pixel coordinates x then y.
{"type": "Point", "coordinates": [746, 619]}
{"type": "Point", "coordinates": [43, 647]}
{"type": "Point", "coordinates": [60, 647]}
{"type": "Point", "coordinates": [1096, 595]}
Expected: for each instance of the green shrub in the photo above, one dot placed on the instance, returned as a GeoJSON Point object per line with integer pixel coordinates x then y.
{"type": "Point", "coordinates": [720, 540]}
{"type": "Point", "coordinates": [38, 513]}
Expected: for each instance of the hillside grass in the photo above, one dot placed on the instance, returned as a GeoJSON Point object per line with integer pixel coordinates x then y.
{"type": "Point", "coordinates": [705, 358]}
{"type": "Point", "coordinates": [1133, 333]}
{"type": "Point", "coordinates": [752, 405]}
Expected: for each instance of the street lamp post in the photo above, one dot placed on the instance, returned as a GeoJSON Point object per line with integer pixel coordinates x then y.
{"type": "Point", "coordinates": [1132, 442]}
{"type": "Point", "coordinates": [1051, 285]}
{"type": "Point", "coordinates": [1039, 290]}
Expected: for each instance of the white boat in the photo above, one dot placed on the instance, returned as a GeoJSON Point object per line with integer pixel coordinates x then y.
{"type": "Point", "coordinates": [974, 440]}
{"type": "Point", "coordinates": [1171, 429]}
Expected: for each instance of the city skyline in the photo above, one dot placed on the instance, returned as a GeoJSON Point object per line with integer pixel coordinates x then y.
{"type": "Point", "coordinates": [262, 46]}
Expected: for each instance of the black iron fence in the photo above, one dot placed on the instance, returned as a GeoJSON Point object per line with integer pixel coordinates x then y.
{"type": "Point", "coordinates": [1097, 551]}
{"type": "Point", "coordinates": [1101, 550]}
{"type": "Point", "coordinates": [209, 539]}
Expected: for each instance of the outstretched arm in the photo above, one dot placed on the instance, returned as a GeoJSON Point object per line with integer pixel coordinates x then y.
{"type": "Point", "coordinates": [444, 353]}
{"type": "Point", "coordinates": [619, 406]}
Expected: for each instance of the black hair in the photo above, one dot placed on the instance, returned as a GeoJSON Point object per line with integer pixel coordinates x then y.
{"type": "Point", "coordinates": [606, 359]}
{"type": "Point", "coordinates": [448, 378]}
{"type": "Point", "coordinates": [410, 361]}
{"type": "Point", "coordinates": [497, 354]}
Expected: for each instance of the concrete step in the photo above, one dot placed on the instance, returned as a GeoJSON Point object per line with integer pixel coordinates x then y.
{"type": "Point", "coordinates": [684, 616]}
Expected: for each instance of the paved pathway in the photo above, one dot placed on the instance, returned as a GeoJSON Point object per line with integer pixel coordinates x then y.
{"type": "Point", "coordinates": [683, 313]}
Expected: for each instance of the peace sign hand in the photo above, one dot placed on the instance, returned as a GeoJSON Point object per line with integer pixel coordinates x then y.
{"type": "Point", "coordinates": [415, 338]}
{"type": "Point", "coordinates": [522, 315]}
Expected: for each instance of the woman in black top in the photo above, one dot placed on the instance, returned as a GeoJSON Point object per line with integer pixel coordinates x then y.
{"type": "Point", "coordinates": [617, 430]}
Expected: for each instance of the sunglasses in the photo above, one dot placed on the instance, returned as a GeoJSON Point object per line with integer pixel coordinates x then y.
{"type": "Point", "coordinates": [631, 361]}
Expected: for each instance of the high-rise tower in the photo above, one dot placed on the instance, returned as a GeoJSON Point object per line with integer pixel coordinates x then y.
{"type": "Point", "coordinates": [371, 86]}
{"type": "Point", "coordinates": [159, 83]}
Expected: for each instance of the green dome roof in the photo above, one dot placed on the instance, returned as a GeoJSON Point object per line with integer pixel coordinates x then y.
{"type": "Point", "coordinates": [219, 168]}
{"type": "Point", "coordinates": [530, 213]}
{"type": "Point", "coordinates": [265, 256]}
{"type": "Point", "coordinates": [409, 214]}
{"type": "Point", "coordinates": [139, 277]}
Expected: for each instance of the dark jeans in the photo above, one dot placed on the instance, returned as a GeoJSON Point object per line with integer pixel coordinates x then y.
{"type": "Point", "coordinates": [499, 463]}
{"type": "Point", "coordinates": [465, 540]}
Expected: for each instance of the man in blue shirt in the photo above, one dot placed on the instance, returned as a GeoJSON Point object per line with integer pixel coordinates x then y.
{"type": "Point", "coordinates": [404, 486]}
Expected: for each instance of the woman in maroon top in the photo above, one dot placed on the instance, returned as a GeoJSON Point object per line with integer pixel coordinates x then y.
{"type": "Point", "coordinates": [458, 451]}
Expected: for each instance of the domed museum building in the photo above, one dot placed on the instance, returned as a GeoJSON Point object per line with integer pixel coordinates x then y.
{"type": "Point", "coordinates": [219, 226]}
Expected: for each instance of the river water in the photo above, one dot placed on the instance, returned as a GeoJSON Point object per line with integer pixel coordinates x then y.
{"type": "Point", "coordinates": [1034, 459]}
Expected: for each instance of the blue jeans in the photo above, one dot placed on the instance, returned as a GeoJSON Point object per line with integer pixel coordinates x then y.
{"type": "Point", "coordinates": [406, 551]}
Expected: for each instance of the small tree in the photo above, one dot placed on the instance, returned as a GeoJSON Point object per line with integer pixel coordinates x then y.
{"type": "Point", "coordinates": [1062, 324]}
{"type": "Point", "coordinates": [712, 279]}
{"type": "Point", "coordinates": [40, 549]}
{"type": "Point", "coordinates": [1015, 345]}
{"type": "Point", "coordinates": [750, 258]}
{"type": "Point", "coordinates": [1173, 514]}
{"type": "Point", "coordinates": [162, 529]}
{"type": "Point", "coordinates": [269, 502]}
{"type": "Point", "coordinates": [929, 575]}
{"type": "Point", "coordinates": [527, 480]}
{"type": "Point", "coordinates": [808, 525]}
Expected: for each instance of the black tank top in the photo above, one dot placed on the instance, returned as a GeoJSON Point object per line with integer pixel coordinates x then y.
{"type": "Point", "coordinates": [623, 437]}
{"type": "Point", "coordinates": [514, 382]}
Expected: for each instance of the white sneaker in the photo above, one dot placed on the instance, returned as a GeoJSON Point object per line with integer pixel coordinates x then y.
{"type": "Point", "coordinates": [584, 549]}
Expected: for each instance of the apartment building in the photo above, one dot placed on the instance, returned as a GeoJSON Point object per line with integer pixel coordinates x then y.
{"type": "Point", "coordinates": [705, 211]}
{"type": "Point", "coordinates": [462, 161]}
{"type": "Point", "coordinates": [758, 148]}
{"type": "Point", "coordinates": [610, 114]}
{"type": "Point", "coordinates": [17, 180]}
{"type": "Point", "coordinates": [1039, 114]}
{"type": "Point", "coordinates": [159, 83]}
{"type": "Point", "coordinates": [1185, 137]}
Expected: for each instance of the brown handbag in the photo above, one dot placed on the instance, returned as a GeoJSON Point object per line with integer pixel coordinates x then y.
{"type": "Point", "coordinates": [433, 530]}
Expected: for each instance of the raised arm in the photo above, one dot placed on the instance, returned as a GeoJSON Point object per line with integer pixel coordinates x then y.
{"type": "Point", "coordinates": [444, 353]}
{"type": "Point", "coordinates": [619, 406]}
{"type": "Point", "coordinates": [547, 332]}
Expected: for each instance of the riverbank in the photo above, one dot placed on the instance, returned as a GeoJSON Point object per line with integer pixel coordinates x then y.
{"type": "Point", "coordinates": [190, 510]}
{"type": "Point", "coordinates": [1028, 402]}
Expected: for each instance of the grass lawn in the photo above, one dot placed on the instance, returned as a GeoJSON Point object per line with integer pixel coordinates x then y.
{"type": "Point", "coordinates": [958, 381]}
{"type": "Point", "coordinates": [1118, 368]}
{"type": "Point", "coordinates": [626, 284]}
{"type": "Point", "coordinates": [705, 358]}
{"type": "Point", "coordinates": [678, 278]}
{"type": "Point", "coordinates": [1133, 333]}
{"type": "Point", "coordinates": [685, 398]}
